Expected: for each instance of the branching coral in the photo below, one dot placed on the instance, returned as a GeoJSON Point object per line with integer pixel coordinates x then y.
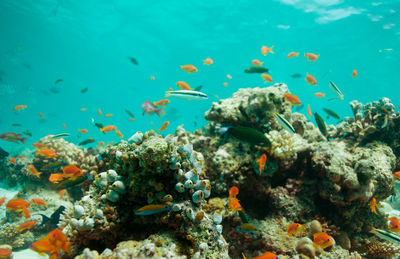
{"type": "Point", "coordinates": [286, 145]}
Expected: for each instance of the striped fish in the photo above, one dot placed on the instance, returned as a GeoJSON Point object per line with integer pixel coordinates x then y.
{"type": "Point", "coordinates": [389, 236]}
{"type": "Point", "coordinates": [187, 94]}
{"type": "Point", "coordinates": [336, 90]}
{"type": "Point", "coordinates": [152, 209]}
{"type": "Point", "coordinates": [285, 124]}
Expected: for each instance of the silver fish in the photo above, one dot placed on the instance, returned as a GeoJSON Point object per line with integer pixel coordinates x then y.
{"type": "Point", "coordinates": [187, 94]}
{"type": "Point", "coordinates": [336, 90]}
{"type": "Point", "coordinates": [389, 236]}
{"type": "Point", "coordinates": [285, 124]}
{"type": "Point", "coordinates": [61, 135]}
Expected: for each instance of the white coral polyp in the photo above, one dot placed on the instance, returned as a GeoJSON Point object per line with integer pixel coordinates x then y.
{"type": "Point", "coordinates": [286, 145]}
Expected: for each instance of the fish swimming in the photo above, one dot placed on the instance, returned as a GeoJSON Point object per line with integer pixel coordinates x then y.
{"type": "Point", "coordinates": [28, 133]}
{"type": "Point", "coordinates": [12, 137]}
{"type": "Point", "coordinates": [187, 94]}
{"type": "Point", "coordinates": [331, 113]}
{"type": "Point", "coordinates": [321, 124]}
{"type": "Point", "coordinates": [152, 209]}
{"type": "Point", "coordinates": [87, 141]}
{"type": "Point", "coordinates": [285, 124]}
{"type": "Point", "coordinates": [247, 134]}
{"type": "Point", "coordinates": [253, 69]}
{"type": "Point", "coordinates": [336, 90]}
{"type": "Point", "coordinates": [59, 80]}
{"type": "Point", "coordinates": [247, 228]}
{"type": "Point", "coordinates": [16, 125]}
{"type": "Point", "coordinates": [130, 113]}
{"type": "Point", "coordinates": [149, 109]}
{"type": "Point", "coordinates": [389, 236]}
{"type": "Point", "coordinates": [294, 228]}
{"type": "Point", "coordinates": [323, 240]}
{"type": "Point", "coordinates": [69, 183]}
{"type": "Point", "coordinates": [61, 135]}
{"type": "Point", "coordinates": [84, 90]}
{"type": "Point", "coordinates": [296, 75]}
{"type": "Point", "coordinates": [133, 61]}
{"type": "Point", "coordinates": [53, 219]}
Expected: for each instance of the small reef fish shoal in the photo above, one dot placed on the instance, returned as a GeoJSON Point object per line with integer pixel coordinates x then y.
{"type": "Point", "coordinates": [285, 124]}
{"type": "Point", "coordinates": [247, 134]}
{"type": "Point", "coordinates": [321, 124]}
{"type": "Point", "coordinates": [187, 95]}
{"type": "Point", "coordinates": [152, 209]}
{"type": "Point", "coordinates": [149, 108]}
{"type": "Point", "coordinates": [13, 137]}
{"type": "Point", "coordinates": [254, 69]}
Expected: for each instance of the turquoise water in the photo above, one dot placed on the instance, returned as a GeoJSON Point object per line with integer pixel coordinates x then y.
{"type": "Point", "coordinates": [87, 44]}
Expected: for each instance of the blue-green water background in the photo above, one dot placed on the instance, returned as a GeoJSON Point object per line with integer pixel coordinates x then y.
{"type": "Point", "coordinates": [87, 44]}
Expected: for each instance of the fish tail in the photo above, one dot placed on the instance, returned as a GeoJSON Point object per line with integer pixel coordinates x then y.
{"type": "Point", "coordinates": [23, 140]}
{"type": "Point", "coordinates": [158, 112]}
{"type": "Point", "coordinates": [221, 130]}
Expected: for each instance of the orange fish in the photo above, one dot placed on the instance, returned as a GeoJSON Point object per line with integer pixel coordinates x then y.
{"type": "Point", "coordinates": [83, 109]}
{"type": "Point", "coordinates": [183, 85]}
{"type": "Point", "coordinates": [225, 84]}
{"type": "Point", "coordinates": [294, 228]}
{"type": "Point", "coordinates": [25, 212]}
{"type": "Point", "coordinates": [163, 127]}
{"type": "Point", "coordinates": [233, 192]}
{"type": "Point", "coordinates": [99, 112]}
{"type": "Point", "coordinates": [354, 74]}
{"type": "Point", "coordinates": [267, 78]}
{"type": "Point", "coordinates": [229, 76]}
{"type": "Point", "coordinates": [108, 128]}
{"type": "Point", "coordinates": [2, 200]}
{"type": "Point", "coordinates": [42, 246]}
{"type": "Point", "coordinates": [267, 255]}
{"type": "Point", "coordinates": [318, 94]}
{"type": "Point", "coordinates": [208, 61]}
{"type": "Point", "coordinates": [83, 131]}
{"type": "Point", "coordinates": [52, 244]}
{"type": "Point", "coordinates": [256, 63]}
{"type": "Point", "coordinates": [33, 171]}
{"type": "Point", "coordinates": [64, 126]}
{"type": "Point", "coordinates": [46, 153]}
{"type": "Point", "coordinates": [119, 133]}
{"type": "Point", "coordinates": [17, 204]}
{"type": "Point", "coordinates": [292, 54]}
{"type": "Point", "coordinates": [311, 56]}
{"type": "Point", "coordinates": [20, 107]}
{"type": "Point", "coordinates": [265, 50]}
{"type": "Point", "coordinates": [323, 240]}
{"type": "Point", "coordinates": [309, 111]}
{"type": "Point", "coordinates": [261, 162]}
{"type": "Point", "coordinates": [131, 119]}
{"type": "Point", "coordinates": [234, 205]}
{"type": "Point", "coordinates": [5, 253]}
{"type": "Point", "coordinates": [311, 80]}
{"type": "Point", "coordinates": [26, 225]}
{"type": "Point", "coordinates": [152, 78]}
{"type": "Point", "coordinates": [373, 204]}
{"type": "Point", "coordinates": [56, 178]}
{"type": "Point", "coordinates": [22, 157]}
{"type": "Point", "coordinates": [72, 171]}
{"type": "Point", "coordinates": [61, 194]}
{"type": "Point", "coordinates": [162, 102]}
{"type": "Point", "coordinates": [189, 68]}
{"type": "Point", "coordinates": [41, 115]}
{"type": "Point", "coordinates": [39, 202]}
{"type": "Point", "coordinates": [293, 99]}
{"type": "Point", "coordinates": [108, 115]}
{"type": "Point", "coordinates": [396, 175]}
{"type": "Point", "coordinates": [39, 145]}
{"type": "Point", "coordinates": [394, 225]}
{"type": "Point", "coordinates": [12, 160]}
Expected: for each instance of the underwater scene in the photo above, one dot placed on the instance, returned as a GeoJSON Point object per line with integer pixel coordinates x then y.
{"type": "Point", "coordinates": [199, 129]}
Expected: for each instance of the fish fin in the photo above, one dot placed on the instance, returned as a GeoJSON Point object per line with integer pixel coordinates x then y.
{"type": "Point", "coordinates": [23, 140]}
{"type": "Point", "coordinates": [158, 112]}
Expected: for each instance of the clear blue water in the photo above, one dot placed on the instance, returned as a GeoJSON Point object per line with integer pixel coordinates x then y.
{"type": "Point", "coordinates": [87, 44]}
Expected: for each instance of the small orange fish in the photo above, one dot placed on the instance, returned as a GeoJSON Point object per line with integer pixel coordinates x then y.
{"type": "Point", "coordinates": [108, 128]}
{"type": "Point", "coordinates": [261, 162]}
{"type": "Point", "coordinates": [41, 115]}
{"type": "Point", "coordinates": [72, 171]}
{"type": "Point", "coordinates": [2, 200]}
{"type": "Point", "coordinates": [39, 202]}
{"type": "Point", "coordinates": [208, 61]}
{"type": "Point", "coordinates": [162, 102]}
{"type": "Point", "coordinates": [108, 115]}
{"type": "Point", "coordinates": [320, 95]}
{"type": "Point", "coordinates": [267, 78]}
{"type": "Point", "coordinates": [42, 246]}
{"type": "Point", "coordinates": [293, 99]}
{"type": "Point", "coordinates": [267, 255]}
{"type": "Point", "coordinates": [396, 175]}
{"type": "Point", "coordinates": [354, 74]}
{"type": "Point", "coordinates": [22, 157]}
{"type": "Point", "coordinates": [56, 178]}
{"type": "Point", "coordinates": [225, 84]}
{"type": "Point", "coordinates": [61, 194]}
{"type": "Point", "coordinates": [99, 112]}
{"type": "Point", "coordinates": [12, 160]}
{"type": "Point", "coordinates": [292, 54]}
{"type": "Point", "coordinates": [163, 127]}
{"type": "Point", "coordinates": [33, 171]}
{"type": "Point", "coordinates": [233, 192]}
{"type": "Point", "coordinates": [189, 68]}
{"type": "Point", "coordinates": [101, 143]}
{"type": "Point", "coordinates": [83, 131]}
{"type": "Point", "coordinates": [26, 213]}
{"type": "Point", "coordinates": [152, 78]}
{"type": "Point", "coordinates": [20, 107]}
{"type": "Point", "coordinates": [323, 240]}
{"type": "Point", "coordinates": [83, 109]}
{"type": "Point", "coordinates": [394, 225]}
{"type": "Point", "coordinates": [52, 244]}
{"type": "Point", "coordinates": [46, 153]}
{"type": "Point", "coordinates": [234, 205]}
{"type": "Point", "coordinates": [309, 111]}
{"type": "Point", "coordinates": [26, 225]}
{"type": "Point", "coordinates": [311, 56]}
{"type": "Point", "coordinates": [17, 204]}
{"type": "Point", "coordinates": [39, 145]}
{"type": "Point", "coordinates": [228, 76]}
{"type": "Point", "coordinates": [265, 50]}
{"type": "Point", "coordinates": [183, 85]}
{"type": "Point", "coordinates": [119, 133]}
{"type": "Point", "coordinates": [373, 204]}
{"type": "Point", "coordinates": [311, 80]}
{"type": "Point", "coordinates": [256, 63]}
{"type": "Point", "coordinates": [294, 228]}
{"type": "Point", "coordinates": [131, 119]}
{"type": "Point", "coordinates": [64, 126]}
{"type": "Point", "coordinates": [5, 253]}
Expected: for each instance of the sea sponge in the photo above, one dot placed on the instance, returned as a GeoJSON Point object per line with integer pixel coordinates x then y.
{"type": "Point", "coordinates": [286, 145]}
{"type": "Point", "coordinates": [305, 246]}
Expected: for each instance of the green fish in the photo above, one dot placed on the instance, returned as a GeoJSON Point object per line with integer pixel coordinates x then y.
{"type": "Point", "coordinates": [247, 134]}
{"type": "Point", "coordinates": [285, 124]}
{"type": "Point", "coordinates": [84, 90]}
{"type": "Point", "coordinates": [69, 183]}
{"type": "Point", "coordinates": [61, 135]}
{"type": "Point", "coordinates": [130, 113]}
{"type": "Point", "coordinates": [28, 133]}
{"type": "Point", "coordinates": [252, 70]}
{"type": "Point", "coordinates": [58, 81]}
{"type": "Point", "coordinates": [331, 113]}
{"type": "Point", "coordinates": [321, 124]}
{"type": "Point", "coordinates": [133, 61]}
{"type": "Point", "coordinates": [87, 141]}
{"type": "Point", "coordinates": [16, 125]}
{"type": "Point", "coordinates": [198, 88]}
